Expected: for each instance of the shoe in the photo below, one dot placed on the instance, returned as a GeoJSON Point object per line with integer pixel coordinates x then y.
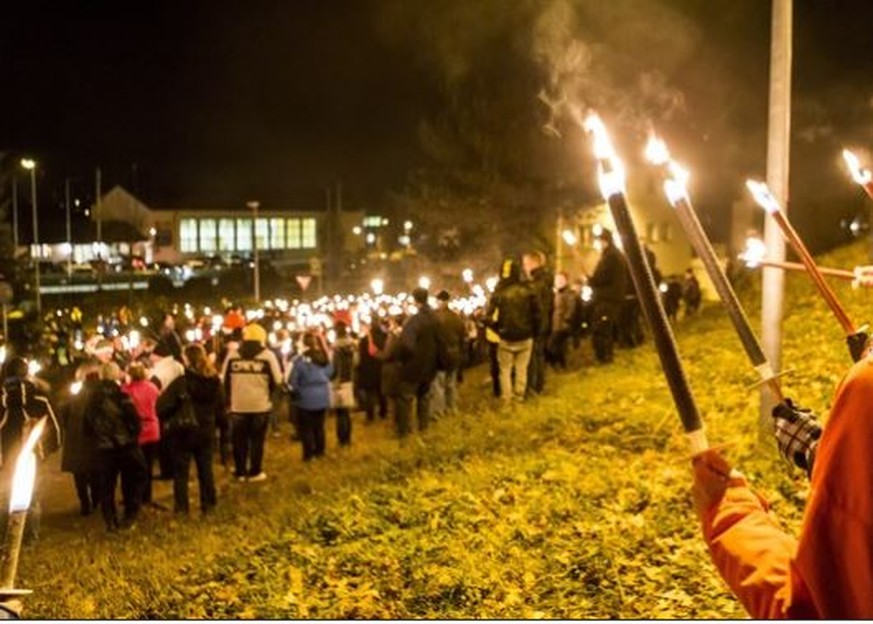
{"type": "Point", "coordinates": [261, 476]}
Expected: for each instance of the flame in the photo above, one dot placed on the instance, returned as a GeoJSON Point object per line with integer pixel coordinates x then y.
{"type": "Point", "coordinates": [763, 196]}
{"type": "Point", "coordinates": [25, 470]}
{"type": "Point", "coordinates": [755, 252]}
{"type": "Point", "coordinates": [676, 186]}
{"type": "Point", "coordinates": [610, 170]}
{"type": "Point", "coordinates": [860, 175]}
{"type": "Point", "coordinates": [656, 150]}
{"type": "Point", "coordinates": [569, 237]}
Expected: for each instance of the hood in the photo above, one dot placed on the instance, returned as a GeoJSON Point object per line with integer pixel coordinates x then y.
{"type": "Point", "coordinates": [250, 348]}
{"type": "Point", "coordinates": [200, 386]}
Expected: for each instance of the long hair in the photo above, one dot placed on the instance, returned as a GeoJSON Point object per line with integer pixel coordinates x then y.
{"type": "Point", "coordinates": [314, 350]}
{"type": "Point", "coordinates": [198, 360]}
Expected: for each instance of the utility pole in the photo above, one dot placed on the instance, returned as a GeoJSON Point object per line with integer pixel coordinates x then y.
{"type": "Point", "coordinates": [69, 227]}
{"type": "Point", "coordinates": [559, 241]}
{"type": "Point", "coordinates": [254, 205]}
{"type": "Point", "coordinates": [98, 208]}
{"type": "Point", "coordinates": [778, 157]}
{"type": "Point", "coordinates": [15, 213]}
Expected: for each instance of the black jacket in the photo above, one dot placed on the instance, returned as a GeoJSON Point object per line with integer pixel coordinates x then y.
{"type": "Point", "coordinates": [370, 365]}
{"type": "Point", "coordinates": [78, 451]}
{"type": "Point", "coordinates": [541, 281]}
{"type": "Point", "coordinates": [416, 348]}
{"type": "Point", "coordinates": [610, 277]}
{"type": "Point", "coordinates": [452, 335]}
{"type": "Point", "coordinates": [517, 310]}
{"type": "Point", "coordinates": [111, 420]}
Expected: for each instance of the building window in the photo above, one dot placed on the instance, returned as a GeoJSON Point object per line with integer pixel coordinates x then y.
{"type": "Point", "coordinates": [226, 235]}
{"type": "Point", "coordinates": [188, 235]}
{"type": "Point", "coordinates": [307, 237]}
{"type": "Point", "coordinates": [262, 233]}
{"type": "Point", "coordinates": [292, 240]}
{"type": "Point", "coordinates": [243, 234]}
{"type": "Point", "coordinates": [372, 222]}
{"type": "Point", "coordinates": [208, 241]}
{"type": "Point", "coordinates": [277, 234]}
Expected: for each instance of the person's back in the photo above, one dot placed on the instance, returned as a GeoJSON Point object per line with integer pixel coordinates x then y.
{"type": "Point", "coordinates": [452, 334]}
{"type": "Point", "coordinates": [517, 312]}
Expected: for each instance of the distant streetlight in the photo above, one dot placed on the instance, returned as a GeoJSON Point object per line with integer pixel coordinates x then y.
{"type": "Point", "coordinates": [377, 286]}
{"type": "Point", "coordinates": [407, 225]}
{"type": "Point", "coordinates": [569, 237]}
{"type": "Point", "coordinates": [467, 275]}
{"type": "Point", "coordinates": [254, 205]}
{"type": "Point", "coordinates": [424, 282]}
{"type": "Point", "coordinates": [30, 165]}
{"type": "Point", "coordinates": [356, 230]}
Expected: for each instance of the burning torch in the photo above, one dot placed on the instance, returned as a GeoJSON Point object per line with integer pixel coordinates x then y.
{"type": "Point", "coordinates": [855, 339]}
{"type": "Point", "coordinates": [19, 502]}
{"type": "Point", "coordinates": [859, 174]}
{"type": "Point", "coordinates": [755, 256]}
{"type": "Point", "coordinates": [676, 189]}
{"type": "Point", "coordinates": [611, 177]}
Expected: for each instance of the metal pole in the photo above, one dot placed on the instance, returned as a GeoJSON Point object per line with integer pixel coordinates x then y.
{"type": "Point", "coordinates": [778, 144]}
{"type": "Point", "coordinates": [98, 206]}
{"type": "Point", "coordinates": [559, 241]}
{"type": "Point", "coordinates": [15, 212]}
{"type": "Point", "coordinates": [14, 537]}
{"type": "Point", "coordinates": [36, 239]}
{"type": "Point", "coordinates": [257, 272]}
{"type": "Point", "coordinates": [5, 324]}
{"type": "Point", "coordinates": [69, 226]}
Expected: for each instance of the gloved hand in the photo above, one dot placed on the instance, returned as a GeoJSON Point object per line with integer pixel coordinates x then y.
{"type": "Point", "coordinates": [712, 477]}
{"type": "Point", "coordinates": [857, 343]}
{"type": "Point", "coordinates": [797, 434]}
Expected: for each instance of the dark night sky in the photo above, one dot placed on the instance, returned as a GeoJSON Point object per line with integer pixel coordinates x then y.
{"type": "Point", "coordinates": [218, 102]}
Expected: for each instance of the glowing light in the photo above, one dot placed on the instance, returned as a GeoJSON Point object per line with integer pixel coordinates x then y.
{"type": "Point", "coordinates": [587, 293]}
{"type": "Point", "coordinates": [424, 282]}
{"type": "Point", "coordinates": [491, 283]}
{"type": "Point", "coordinates": [25, 470]}
{"type": "Point", "coordinates": [656, 150]}
{"type": "Point", "coordinates": [676, 184]}
{"type": "Point", "coordinates": [377, 286]}
{"type": "Point", "coordinates": [371, 238]}
{"type": "Point", "coordinates": [569, 237]}
{"type": "Point", "coordinates": [2, 354]}
{"type": "Point", "coordinates": [152, 232]}
{"type": "Point", "coordinates": [610, 170]}
{"type": "Point", "coordinates": [75, 388]}
{"type": "Point", "coordinates": [860, 175]}
{"type": "Point", "coordinates": [189, 335]}
{"type": "Point", "coordinates": [662, 287]}
{"type": "Point", "coordinates": [754, 253]}
{"type": "Point", "coordinates": [133, 339]}
{"type": "Point", "coordinates": [28, 163]}
{"type": "Point", "coordinates": [33, 367]}
{"type": "Point", "coordinates": [407, 225]}
{"type": "Point", "coordinates": [357, 230]}
{"type": "Point", "coordinates": [763, 196]}
{"type": "Point", "coordinates": [143, 321]}
{"type": "Point", "coordinates": [467, 275]}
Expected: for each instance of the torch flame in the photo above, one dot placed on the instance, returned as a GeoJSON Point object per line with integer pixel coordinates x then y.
{"type": "Point", "coordinates": [25, 470]}
{"type": "Point", "coordinates": [763, 196]}
{"type": "Point", "coordinates": [610, 170]}
{"type": "Point", "coordinates": [656, 150]}
{"type": "Point", "coordinates": [755, 252]}
{"type": "Point", "coordinates": [860, 175]}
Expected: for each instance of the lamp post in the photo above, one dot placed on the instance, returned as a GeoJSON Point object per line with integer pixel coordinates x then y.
{"type": "Point", "coordinates": [254, 205]}
{"type": "Point", "coordinates": [30, 165]}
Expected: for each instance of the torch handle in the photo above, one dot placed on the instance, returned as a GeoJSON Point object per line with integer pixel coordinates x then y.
{"type": "Point", "coordinates": [752, 346]}
{"type": "Point", "coordinates": [869, 189]}
{"type": "Point", "coordinates": [653, 310]}
{"type": "Point", "coordinates": [14, 536]}
{"type": "Point", "coordinates": [798, 266]}
{"type": "Point", "coordinates": [826, 292]}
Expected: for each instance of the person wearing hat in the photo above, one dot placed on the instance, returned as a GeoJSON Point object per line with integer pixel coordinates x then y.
{"type": "Point", "coordinates": [450, 348]}
{"type": "Point", "coordinates": [609, 282]}
{"type": "Point", "coordinates": [250, 375]}
{"type": "Point", "coordinates": [416, 352]}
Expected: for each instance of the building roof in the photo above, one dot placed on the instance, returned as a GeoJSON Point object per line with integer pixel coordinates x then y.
{"type": "Point", "coordinates": [83, 231]}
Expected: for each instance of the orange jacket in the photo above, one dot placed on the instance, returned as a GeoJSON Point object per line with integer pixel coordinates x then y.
{"type": "Point", "coordinates": [828, 572]}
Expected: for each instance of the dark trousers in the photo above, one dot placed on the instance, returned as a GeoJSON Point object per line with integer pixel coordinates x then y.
{"type": "Point", "coordinates": [370, 399]}
{"type": "Point", "coordinates": [88, 490]}
{"type": "Point", "coordinates": [536, 370]}
{"type": "Point", "coordinates": [407, 393]}
{"type": "Point", "coordinates": [311, 432]}
{"type": "Point", "coordinates": [558, 344]}
{"type": "Point", "coordinates": [343, 426]}
{"type": "Point", "coordinates": [248, 432]}
{"type": "Point", "coordinates": [224, 446]}
{"type": "Point", "coordinates": [603, 334]}
{"type": "Point", "coordinates": [186, 446]}
{"type": "Point", "coordinates": [150, 453]}
{"type": "Point", "coordinates": [164, 460]}
{"type": "Point", "coordinates": [129, 464]}
{"type": "Point", "coordinates": [494, 366]}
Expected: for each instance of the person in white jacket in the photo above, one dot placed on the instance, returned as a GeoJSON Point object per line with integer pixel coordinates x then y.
{"type": "Point", "coordinates": [250, 375]}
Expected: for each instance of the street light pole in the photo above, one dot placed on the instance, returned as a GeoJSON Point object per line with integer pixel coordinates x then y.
{"type": "Point", "coordinates": [254, 205]}
{"type": "Point", "coordinates": [30, 165]}
{"type": "Point", "coordinates": [69, 228]}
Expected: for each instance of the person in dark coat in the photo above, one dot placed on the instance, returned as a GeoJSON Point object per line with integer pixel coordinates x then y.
{"type": "Point", "coordinates": [691, 293]}
{"type": "Point", "coordinates": [78, 454]}
{"type": "Point", "coordinates": [540, 282]}
{"type": "Point", "coordinates": [452, 338]}
{"type": "Point", "coordinates": [609, 282]}
{"type": "Point", "coordinates": [112, 424]}
{"type": "Point", "coordinates": [370, 350]}
{"type": "Point", "coordinates": [562, 321]}
{"type": "Point", "coordinates": [344, 356]}
{"type": "Point", "coordinates": [416, 351]}
{"type": "Point", "coordinates": [203, 388]}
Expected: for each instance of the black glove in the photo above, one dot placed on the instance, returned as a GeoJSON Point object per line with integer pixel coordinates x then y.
{"type": "Point", "coordinates": [857, 343]}
{"type": "Point", "coordinates": [797, 434]}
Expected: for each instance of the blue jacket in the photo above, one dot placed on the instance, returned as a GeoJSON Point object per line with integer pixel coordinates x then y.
{"type": "Point", "coordinates": [310, 384]}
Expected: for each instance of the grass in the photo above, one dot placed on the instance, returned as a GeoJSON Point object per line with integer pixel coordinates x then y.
{"type": "Point", "coordinates": [576, 505]}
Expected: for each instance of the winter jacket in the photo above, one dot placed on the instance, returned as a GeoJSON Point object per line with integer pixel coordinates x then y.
{"type": "Point", "coordinates": [828, 572]}
{"type": "Point", "coordinates": [78, 450]}
{"type": "Point", "coordinates": [541, 280]}
{"type": "Point", "coordinates": [565, 311]}
{"type": "Point", "coordinates": [452, 336]}
{"type": "Point", "coordinates": [111, 421]}
{"type": "Point", "coordinates": [416, 348]}
{"type": "Point", "coordinates": [344, 355]}
{"type": "Point", "coordinates": [610, 277]}
{"type": "Point", "coordinates": [517, 310]}
{"type": "Point", "coordinates": [144, 395]}
{"type": "Point", "coordinates": [165, 371]}
{"type": "Point", "coordinates": [21, 403]}
{"type": "Point", "coordinates": [207, 399]}
{"type": "Point", "coordinates": [250, 375]}
{"type": "Point", "coordinates": [310, 384]}
{"type": "Point", "coordinates": [370, 348]}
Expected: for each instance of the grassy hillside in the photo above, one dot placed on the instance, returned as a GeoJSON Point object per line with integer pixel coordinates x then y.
{"type": "Point", "coordinates": [574, 506]}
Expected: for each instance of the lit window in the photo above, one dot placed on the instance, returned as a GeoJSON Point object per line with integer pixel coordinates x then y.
{"type": "Point", "coordinates": [308, 234]}
{"type": "Point", "coordinates": [208, 241]}
{"type": "Point", "coordinates": [277, 233]}
{"type": "Point", "coordinates": [188, 235]}
{"type": "Point", "coordinates": [372, 222]}
{"type": "Point", "coordinates": [226, 235]}
{"type": "Point", "coordinates": [243, 234]}
{"type": "Point", "coordinates": [293, 234]}
{"type": "Point", "coordinates": [262, 233]}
